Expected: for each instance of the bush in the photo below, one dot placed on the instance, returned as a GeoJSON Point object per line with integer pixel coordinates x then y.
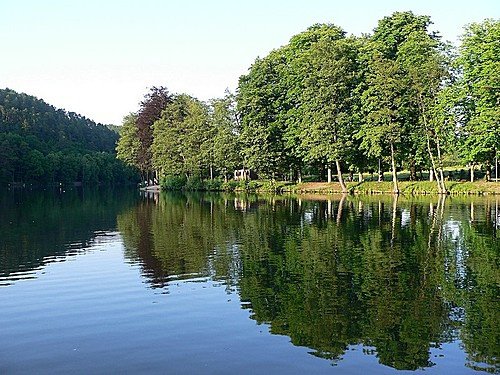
{"type": "Point", "coordinates": [173, 183]}
{"type": "Point", "coordinates": [214, 185]}
{"type": "Point", "coordinates": [194, 183]}
{"type": "Point", "coordinates": [230, 185]}
{"type": "Point", "coordinates": [253, 185]}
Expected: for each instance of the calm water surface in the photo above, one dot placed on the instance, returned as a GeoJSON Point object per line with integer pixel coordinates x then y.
{"type": "Point", "coordinates": [116, 282]}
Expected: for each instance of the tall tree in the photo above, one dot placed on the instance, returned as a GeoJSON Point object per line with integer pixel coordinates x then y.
{"type": "Point", "coordinates": [479, 61]}
{"type": "Point", "coordinates": [179, 136]}
{"type": "Point", "coordinates": [426, 68]}
{"type": "Point", "coordinates": [332, 75]}
{"type": "Point", "coordinates": [391, 116]}
{"type": "Point", "coordinates": [225, 144]}
{"type": "Point", "coordinates": [383, 103]}
{"type": "Point", "coordinates": [261, 94]}
{"type": "Point", "coordinates": [128, 145]}
{"type": "Point", "coordinates": [268, 100]}
{"type": "Point", "coordinates": [151, 108]}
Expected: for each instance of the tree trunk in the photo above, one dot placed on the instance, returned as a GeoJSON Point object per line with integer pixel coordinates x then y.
{"type": "Point", "coordinates": [211, 172]}
{"type": "Point", "coordinates": [431, 175]}
{"type": "Point", "coordinates": [339, 174]}
{"type": "Point", "coordinates": [299, 176]}
{"type": "Point", "coordinates": [440, 167]}
{"type": "Point", "coordinates": [413, 171]}
{"type": "Point", "coordinates": [488, 171]}
{"type": "Point", "coordinates": [380, 171]}
{"type": "Point", "coordinates": [329, 173]}
{"type": "Point", "coordinates": [360, 177]}
{"type": "Point", "coordinates": [394, 173]}
{"type": "Point", "coordinates": [472, 173]}
{"type": "Point", "coordinates": [433, 166]}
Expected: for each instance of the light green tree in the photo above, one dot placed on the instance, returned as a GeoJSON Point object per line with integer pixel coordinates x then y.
{"type": "Point", "coordinates": [479, 61]}
{"type": "Point", "coordinates": [331, 77]}
{"type": "Point", "coordinates": [128, 145]}
{"type": "Point", "coordinates": [179, 136]}
{"type": "Point", "coordinates": [225, 142]}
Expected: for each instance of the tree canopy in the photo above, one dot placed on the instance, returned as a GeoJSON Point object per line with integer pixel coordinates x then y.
{"type": "Point", "coordinates": [399, 98]}
{"type": "Point", "coordinates": [40, 144]}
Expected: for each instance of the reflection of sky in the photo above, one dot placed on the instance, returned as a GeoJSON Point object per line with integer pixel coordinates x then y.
{"type": "Point", "coordinates": [96, 312]}
{"type": "Point", "coordinates": [405, 217]}
{"type": "Point", "coordinates": [452, 229]}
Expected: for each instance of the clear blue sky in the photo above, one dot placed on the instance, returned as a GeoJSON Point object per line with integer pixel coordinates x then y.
{"type": "Point", "coordinates": [98, 57]}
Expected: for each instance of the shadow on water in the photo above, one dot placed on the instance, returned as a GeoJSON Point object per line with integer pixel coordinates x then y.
{"type": "Point", "coordinates": [398, 276]}
{"type": "Point", "coordinates": [38, 227]}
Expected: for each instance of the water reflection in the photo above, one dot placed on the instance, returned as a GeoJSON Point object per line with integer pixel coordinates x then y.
{"type": "Point", "coordinates": [398, 276]}
{"type": "Point", "coordinates": [41, 227]}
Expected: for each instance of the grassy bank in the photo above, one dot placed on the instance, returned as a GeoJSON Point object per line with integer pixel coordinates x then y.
{"type": "Point", "coordinates": [405, 187]}
{"type": "Point", "coordinates": [368, 187]}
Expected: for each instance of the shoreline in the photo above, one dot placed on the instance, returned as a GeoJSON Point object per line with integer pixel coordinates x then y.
{"type": "Point", "coordinates": [354, 188]}
{"type": "Point", "coordinates": [405, 187]}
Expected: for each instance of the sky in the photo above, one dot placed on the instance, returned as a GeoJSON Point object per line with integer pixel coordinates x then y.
{"type": "Point", "coordinates": [99, 57]}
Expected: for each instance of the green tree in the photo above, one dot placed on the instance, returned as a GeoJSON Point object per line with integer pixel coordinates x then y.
{"type": "Point", "coordinates": [383, 103]}
{"type": "Point", "coordinates": [128, 145]}
{"type": "Point", "coordinates": [269, 98]}
{"type": "Point", "coordinates": [179, 136]}
{"type": "Point", "coordinates": [155, 101]}
{"type": "Point", "coordinates": [225, 142]}
{"type": "Point", "coordinates": [426, 68]}
{"type": "Point", "coordinates": [261, 95]}
{"type": "Point", "coordinates": [479, 61]}
{"type": "Point", "coordinates": [391, 116]}
{"type": "Point", "coordinates": [328, 104]}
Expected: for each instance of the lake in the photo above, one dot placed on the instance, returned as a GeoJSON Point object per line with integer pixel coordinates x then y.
{"type": "Point", "coordinates": [115, 281]}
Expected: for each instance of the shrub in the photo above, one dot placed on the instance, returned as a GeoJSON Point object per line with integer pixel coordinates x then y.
{"type": "Point", "coordinates": [214, 185]}
{"type": "Point", "coordinates": [194, 183]}
{"type": "Point", "coordinates": [229, 185]}
{"type": "Point", "coordinates": [173, 183]}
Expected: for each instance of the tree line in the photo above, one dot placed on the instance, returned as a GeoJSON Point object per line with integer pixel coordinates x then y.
{"type": "Point", "coordinates": [399, 98]}
{"type": "Point", "coordinates": [40, 144]}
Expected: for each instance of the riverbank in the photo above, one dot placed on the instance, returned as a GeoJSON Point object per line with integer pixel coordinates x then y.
{"type": "Point", "coordinates": [405, 187]}
{"type": "Point", "coordinates": [479, 187]}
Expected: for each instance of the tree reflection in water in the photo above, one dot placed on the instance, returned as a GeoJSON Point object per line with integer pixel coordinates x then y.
{"type": "Point", "coordinates": [399, 276]}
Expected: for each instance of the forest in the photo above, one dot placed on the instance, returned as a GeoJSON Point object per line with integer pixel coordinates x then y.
{"type": "Point", "coordinates": [330, 103]}
{"type": "Point", "coordinates": [42, 145]}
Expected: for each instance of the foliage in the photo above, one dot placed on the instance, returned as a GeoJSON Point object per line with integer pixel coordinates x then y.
{"type": "Point", "coordinates": [151, 108]}
{"type": "Point", "coordinates": [397, 98]}
{"type": "Point", "coordinates": [40, 144]}
{"type": "Point", "coordinates": [129, 145]}
{"type": "Point", "coordinates": [223, 147]}
{"type": "Point", "coordinates": [179, 136]}
{"type": "Point", "coordinates": [173, 182]}
{"type": "Point", "coordinates": [479, 62]}
{"type": "Point", "coordinates": [332, 74]}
